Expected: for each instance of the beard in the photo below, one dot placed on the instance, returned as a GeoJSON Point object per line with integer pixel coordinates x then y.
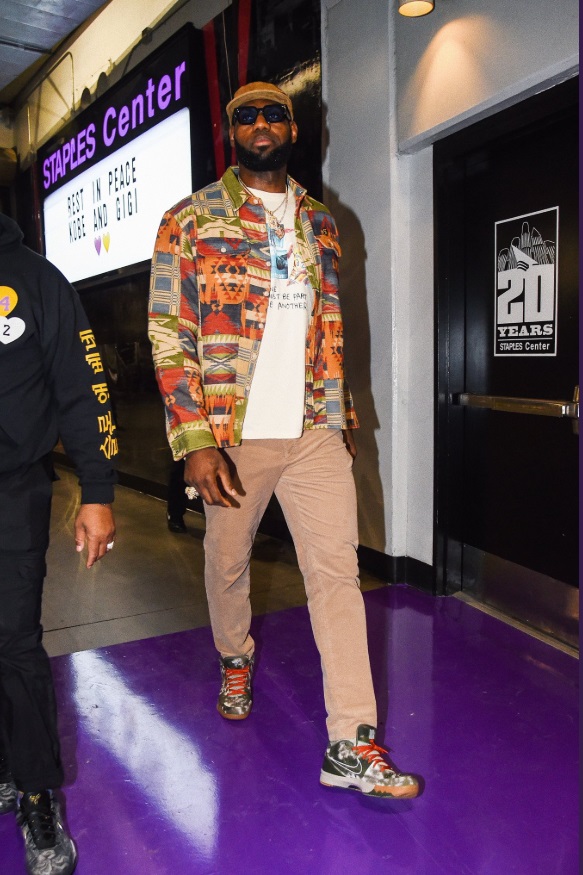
{"type": "Point", "coordinates": [260, 162]}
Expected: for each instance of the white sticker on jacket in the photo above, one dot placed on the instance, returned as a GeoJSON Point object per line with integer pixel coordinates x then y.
{"type": "Point", "coordinates": [11, 329]}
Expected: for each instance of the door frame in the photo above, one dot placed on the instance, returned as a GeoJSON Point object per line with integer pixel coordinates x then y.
{"type": "Point", "coordinates": [449, 180]}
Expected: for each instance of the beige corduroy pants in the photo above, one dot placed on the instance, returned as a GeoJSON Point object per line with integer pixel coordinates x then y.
{"type": "Point", "coordinates": [312, 479]}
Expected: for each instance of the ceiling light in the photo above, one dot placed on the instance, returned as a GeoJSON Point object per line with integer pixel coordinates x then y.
{"type": "Point", "coordinates": [415, 8]}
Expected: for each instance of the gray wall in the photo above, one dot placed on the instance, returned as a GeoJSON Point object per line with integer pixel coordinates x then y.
{"type": "Point", "coordinates": [393, 86]}
{"type": "Point", "coordinates": [466, 58]}
{"type": "Point", "coordinates": [358, 191]}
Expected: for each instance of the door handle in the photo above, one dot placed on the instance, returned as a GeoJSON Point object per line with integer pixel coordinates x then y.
{"type": "Point", "coordinates": [536, 406]}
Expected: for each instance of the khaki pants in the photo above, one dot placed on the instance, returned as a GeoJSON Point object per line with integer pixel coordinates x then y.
{"type": "Point", "coordinates": [312, 479]}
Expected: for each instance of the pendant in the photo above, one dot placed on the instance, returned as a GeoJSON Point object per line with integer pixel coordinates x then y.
{"type": "Point", "coordinates": [277, 227]}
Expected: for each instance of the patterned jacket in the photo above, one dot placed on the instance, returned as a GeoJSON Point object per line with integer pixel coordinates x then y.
{"type": "Point", "coordinates": [209, 293]}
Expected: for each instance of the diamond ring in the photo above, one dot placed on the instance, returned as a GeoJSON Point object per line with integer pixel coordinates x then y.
{"type": "Point", "coordinates": [110, 546]}
{"type": "Point", "coordinates": [191, 492]}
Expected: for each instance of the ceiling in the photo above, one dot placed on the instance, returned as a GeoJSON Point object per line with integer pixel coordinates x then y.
{"type": "Point", "coordinates": [30, 30]}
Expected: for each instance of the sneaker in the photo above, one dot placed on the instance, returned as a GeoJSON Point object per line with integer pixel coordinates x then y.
{"type": "Point", "coordinates": [176, 524]}
{"type": "Point", "coordinates": [49, 850]}
{"type": "Point", "coordinates": [8, 796]}
{"type": "Point", "coordinates": [360, 766]}
{"type": "Point", "coordinates": [8, 791]}
{"type": "Point", "coordinates": [236, 698]}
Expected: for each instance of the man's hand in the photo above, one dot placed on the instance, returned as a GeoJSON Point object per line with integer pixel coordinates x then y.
{"type": "Point", "coordinates": [95, 527]}
{"type": "Point", "coordinates": [349, 441]}
{"type": "Point", "coordinates": [208, 472]}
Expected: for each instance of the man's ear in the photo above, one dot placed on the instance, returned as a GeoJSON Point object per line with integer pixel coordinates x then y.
{"type": "Point", "coordinates": [294, 131]}
{"type": "Point", "coordinates": [232, 136]}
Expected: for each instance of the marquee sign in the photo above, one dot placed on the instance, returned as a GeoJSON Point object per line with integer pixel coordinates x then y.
{"type": "Point", "coordinates": [112, 173]}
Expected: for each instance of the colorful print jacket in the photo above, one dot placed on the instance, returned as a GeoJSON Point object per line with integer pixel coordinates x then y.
{"type": "Point", "coordinates": [209, 293]}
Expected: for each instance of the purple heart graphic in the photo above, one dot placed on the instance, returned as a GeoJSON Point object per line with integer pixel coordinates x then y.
{"type": "Point", "coordinates": [97, 242]}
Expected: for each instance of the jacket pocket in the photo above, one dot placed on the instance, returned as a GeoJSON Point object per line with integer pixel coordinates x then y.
{"type": "Point", "coordinates": [222, 251]}
{"type": "Point", "coordinates": [222, 270]}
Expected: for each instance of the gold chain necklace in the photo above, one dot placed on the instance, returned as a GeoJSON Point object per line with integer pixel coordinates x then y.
{"type": "Point", "coordinates": [273, 221]}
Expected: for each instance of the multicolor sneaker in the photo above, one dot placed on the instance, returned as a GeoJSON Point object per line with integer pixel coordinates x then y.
{"type": "Point", "coordinates": [236, 697]}
{"type": "Point", "coordinates": [49, 850]}
{"type": "Point", "coordinates": [360, 766]}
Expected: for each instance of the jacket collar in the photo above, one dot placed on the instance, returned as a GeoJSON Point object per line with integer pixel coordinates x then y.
{"type": "Point", "coordinates": [238, 194]}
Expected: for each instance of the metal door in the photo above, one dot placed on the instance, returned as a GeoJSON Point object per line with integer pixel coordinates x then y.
{"type": "Point", "coordinates": [507, 426]}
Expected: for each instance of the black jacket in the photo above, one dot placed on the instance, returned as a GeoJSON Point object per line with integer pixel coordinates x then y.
{"type": "Point", "coordinates": [52, 382]}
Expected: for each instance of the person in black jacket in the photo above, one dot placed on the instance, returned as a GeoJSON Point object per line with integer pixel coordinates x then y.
{"type": "Point", "coordinates": [51, 385]}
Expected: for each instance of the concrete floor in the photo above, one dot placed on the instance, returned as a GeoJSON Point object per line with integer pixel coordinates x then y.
{"type": "Point", "coordinates": [152, 582]}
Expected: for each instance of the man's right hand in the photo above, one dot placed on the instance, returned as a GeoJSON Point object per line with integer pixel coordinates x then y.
{"type": "Point", "coordinates": [208, 472]}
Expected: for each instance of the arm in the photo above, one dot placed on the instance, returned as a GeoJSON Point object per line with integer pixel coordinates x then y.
{"type": "Point", "coordinates": [174, 324]}
{"type": "Point", "coordinates": [173, 329]}
{"type": "Point", "coordinates": [76, 379]}
{"type": "Point", "coordinates": [332, 324]}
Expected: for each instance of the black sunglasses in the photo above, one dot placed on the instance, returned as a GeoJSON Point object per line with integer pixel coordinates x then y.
{"type": "Point", "coordinates": [273, 113]}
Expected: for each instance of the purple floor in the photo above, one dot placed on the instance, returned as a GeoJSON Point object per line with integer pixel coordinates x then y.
{"type": "Point", "coordinates": [158, 783]}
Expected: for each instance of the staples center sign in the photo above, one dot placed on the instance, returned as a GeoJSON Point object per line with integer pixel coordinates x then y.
{"type": "Point", "coordinates": [116, 126]}
{"type": "Point", "coordinates": [107, 182]}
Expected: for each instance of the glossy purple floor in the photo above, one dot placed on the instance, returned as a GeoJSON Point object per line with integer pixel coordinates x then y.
{"type": "Point", "coordinates": [158, 783]}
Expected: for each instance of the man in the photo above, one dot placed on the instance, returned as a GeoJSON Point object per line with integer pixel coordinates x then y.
{"type": "Point", "coordinates": [51, 384]}
{"type": "Point", "coordinates": [247, 339]}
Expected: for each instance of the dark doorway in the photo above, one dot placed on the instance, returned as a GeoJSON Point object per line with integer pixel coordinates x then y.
{"type": "Point", "coordinates": [507, 447]}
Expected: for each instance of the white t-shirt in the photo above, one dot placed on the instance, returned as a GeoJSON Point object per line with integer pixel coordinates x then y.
{"type": "Point", "coordinates": [275, 407]}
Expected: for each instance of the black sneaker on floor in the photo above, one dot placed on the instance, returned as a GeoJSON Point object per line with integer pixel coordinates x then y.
{"type": "Point", "coordinates": [176, 524]}
{"type": "Point", "coordinates": [360, 766]}
{"type": "Point", "coordinates": [49, 849]}
{"type": "Point", "coordinates": [236, 696]}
